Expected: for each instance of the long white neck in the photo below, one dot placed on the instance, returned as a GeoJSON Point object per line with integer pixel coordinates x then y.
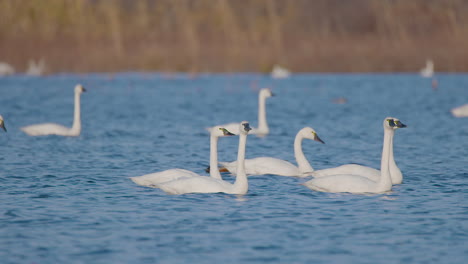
{"type": "Point", "coordinates": [241, 185]}
{"type": "Point", "coordinates": [302, 162]}
{"type": "Point", "coordinates": [262, 122]}
{"type": "Point", "coordinates": [395, 172]}
{"type": "Point", "coordinates": [385, 181]}
{"type": "Point", "coordinates": [76, 128]}
{"type": "Point", "coordinates": [214, 172]}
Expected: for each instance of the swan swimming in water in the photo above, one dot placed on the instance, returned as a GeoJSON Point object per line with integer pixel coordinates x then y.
{"type": "Point", "coordinates": [2, 123]}
{"type": "Point", "coordinates": [268, 165]}
{"type": "Point", "coordinates": [461, 111]}
{"type": "Point", "coordinates": [371, 173]}
{"type": "Point", "coordinates": [203, 184]}
{"type": "Point", "coordinates": [358, 183]}
{"type": "Point", "coordinates": [262, 129]}
{"type": "Point", "coordinates": [174, 174]}
{"type": "Point", "coordinates": [428, 71]}
{"type": "Point", "coordinates": [56, 129]}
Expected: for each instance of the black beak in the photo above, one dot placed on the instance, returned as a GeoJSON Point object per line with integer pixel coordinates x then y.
{"type": "Point", "coordinates": [247, 127]}
{"type": "Point", "coordinates": [400, 124]}
{"type": "Point", "coordinates": [3, 126]}
{"type": "Point", "coordinates": [229, 134]}
{"type": "Point", "coordinates": [84, 90]}
{"type": "Point", "coordinates": [272, 94]}
{"type": "Point", "coordinates": [318, 139]}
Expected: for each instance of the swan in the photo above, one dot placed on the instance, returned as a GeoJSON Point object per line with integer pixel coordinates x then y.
{"type": "Point", "coordinates": [56, 129]}
{"type": "Point", "coordinates": [203, 184]}
{"type": "Point", "coordinates": [262, 129]}
{"type": "Point", "coordinates": [428, 71]}
{"type": "Point", "coordinates": [279, 72]}
{"type": "Point", "coordinates": [173, 174]}
{"type": "Point", "coordinates": [357, 183]}
{"type": "Point", "coordinates": [2, 123]}
{"type": "Point", "coordinates": [371, 173]}
{"type": "Point", "coordinates": [461, 111]}
{"type": "Point", "coordinates": [268, 165]}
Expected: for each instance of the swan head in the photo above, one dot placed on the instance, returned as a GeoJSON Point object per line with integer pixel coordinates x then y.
{"type": "Point", "coordinates": [220, 132]}
{"type": "Point", "coordinates": [308, 132]}
{"type": "Point", "coordinates": [244, 127]}
{"type": "Point", "coordinates": [2, 123]}
{"type": "Point", "coordinates": [266, 93]}
{"type": "Point", "coordinates": [393, 123]}
{"type": "Point", "coordinates": [79, 88]}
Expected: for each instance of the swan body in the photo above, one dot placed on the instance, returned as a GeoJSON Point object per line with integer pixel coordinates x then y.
{"type": "Point", "coordinates": [461, 111]}
{"type": "Point", "coordinates": [6, 69]}
{"type": "Point", "coordinates": [203, 184]}
{"type": "Point", "coordinates": [174, 174]}
{"type": "Point", "coordinates": [368, 172]}
{"type": "Point", "coordinates": [357, 183]}
{"type": "Point", "coordinates": [428, 71]}
{"type": "Point", "coordinates": [263, 128]}
{"type": "Point", "coordinates": [36, 69]}
{"type": "Point", "coordinates": [56, 129]}
{"type": "Point", "coordinates": [279, 72]}
{"type": "Point", "coordinates": [2, 123]}
{"type": "Point", "coordinates": [274, 166]}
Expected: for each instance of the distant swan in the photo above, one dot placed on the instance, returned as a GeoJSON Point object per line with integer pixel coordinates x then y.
{"type": "Point", "coordinates": [274, 166]}
{"type": "Point", "coordinates": [461, 111]}
{"type": "Point", "coordinates": [279, 72]}
{"type": "Point", "coordinates": [203, 184]}
{"type": "Point", "coordinates": [2, 123]}
{"type": "Point", "coordinates": [358, 183]}
{"type": "Point", "coordinates": [173, 174]}
{"type": "Point", "coordinates": [371, 173]}
{"type": "Point", "coordinates": [55, 129]}
{"type": "Point", "coordinates": [428, 71]}
{"type": "Point", "coordinates": [262, 129]}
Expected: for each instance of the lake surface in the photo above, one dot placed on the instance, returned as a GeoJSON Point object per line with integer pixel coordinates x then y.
{"type": "Point", "coordinates": [69, 200]}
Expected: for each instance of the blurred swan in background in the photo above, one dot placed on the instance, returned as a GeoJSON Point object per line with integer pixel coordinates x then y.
{"type": "Point", "coordinates": [268, 165]}
{"type": "Point", "coordinates": [263, 128]}
{"type": "Point", "coordinates": [55, 129]}
{"type": "Point", "coordinates": [354, 183]}
{"type": "Point", "coordinates": [36, 69]}
{"type": "Point", "coordinates": [6, 69]}
{"type": "Point", "coordinates": [174, 174]}
{"type": "Point", "coordinates": [203, 184]}
{"type": "Point", "coordinates": [371, 173]}
{"type": "Point", "coordinates": [461, 111]}
{"type": "Point", "coordinates": [2, 123]}
{"type": "Point", "coordinates": [279, 72]}
{"type": "Point", "coordinates": [428, 71]}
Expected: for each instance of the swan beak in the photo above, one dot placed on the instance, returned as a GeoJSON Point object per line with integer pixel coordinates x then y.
{"type": "Point", "coordinates": [84, 90]}
{"type": "Point", "coordinates": [399, 124]}
{"type": "Point", "coordinates": [273, 94]}
{"type": "Point", "coordinates": [318, 139]}
{"type": "Point", "coordinates": [247, 127]}
{"type": "Point", "coordinates": [226, 132]}
{"type": "Point", "coordinates": [2, 125]}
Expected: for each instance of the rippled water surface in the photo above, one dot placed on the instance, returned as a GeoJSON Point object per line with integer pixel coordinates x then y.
{"type": "Point", "coordinates": [69, 200]}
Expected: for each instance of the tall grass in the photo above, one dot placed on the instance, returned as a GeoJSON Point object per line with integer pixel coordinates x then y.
{"type": "Point", "coordinates": [233, 35]}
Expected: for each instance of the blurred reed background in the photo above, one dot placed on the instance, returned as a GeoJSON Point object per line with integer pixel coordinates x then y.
{"type": "Point", "coordinates": [234, 35]}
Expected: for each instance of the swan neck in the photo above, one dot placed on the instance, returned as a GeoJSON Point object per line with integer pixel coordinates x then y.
{"type": "Point", "coordinates": [302, 162]}
{"type": "Point", "coordinates": [395, 172]}
{"type": "Point", "coordinates": [385, 180]}
{"type": "Point", "coordinates": [77, 117]}
{"type": "Point", "coordinates": [241, 185]}
{"type": "Point", "coordinates": [262, 122]}
{"type": "Point", "coordinates": [214, 172]}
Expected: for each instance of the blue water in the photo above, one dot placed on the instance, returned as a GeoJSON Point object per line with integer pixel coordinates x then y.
{"type": "Point", "coordinates": [69, 200]}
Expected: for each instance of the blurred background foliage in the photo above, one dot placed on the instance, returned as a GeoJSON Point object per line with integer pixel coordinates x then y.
{"type": "Point", "coordinates": [235, 35]}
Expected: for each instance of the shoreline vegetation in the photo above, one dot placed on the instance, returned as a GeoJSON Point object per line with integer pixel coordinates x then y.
{"type": "Point", "coordinates": [235, 36]}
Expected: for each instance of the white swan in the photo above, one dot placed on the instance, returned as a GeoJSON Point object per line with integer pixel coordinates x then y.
{"type": "Point", "coordinates": [428, 71]}
{"type": "Point", "coordinates": [2, 123]}
{"type": "Point", "coordinates": [358, 183]}
{"type": "Point", "coordinates": [279, 72]}
{"type": "Point", "coordinates": [55, 129]}
{"type": "Point", "coordinates": [203, 184]}
{"type": "Point", "coordinates": [262, 129]}
{"type": "Point", "coordinates": [461, 111]}
{"type": "Point", "coordinates": [174, 174]}
{"type": "Point", "coordinates": [371, 173]}
{"type": "Point", "coordinates": [6, 69]}
{"type": "Point", "coordinates": [268, 165]}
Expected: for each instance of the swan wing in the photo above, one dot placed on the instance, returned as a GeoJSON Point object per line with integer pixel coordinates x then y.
{"type": "Point", "coordinates": [46, 129]}
{"type": "Point", "coordinates": [353, 169]}
{"type": "Point", "coordinates": [198, 184]}
{"type": "Point", "coordinates": [264, 165]}
{"type": "Point", "coordinates": [163, 176]}
{"type": "Point", "coordinates": [344, 183]}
